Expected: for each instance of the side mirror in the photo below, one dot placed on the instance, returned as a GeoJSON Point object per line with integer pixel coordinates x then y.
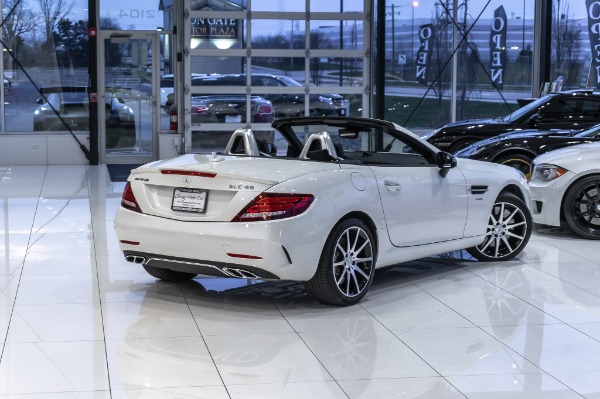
{"type": "Point", "coordinates": [445, 161]}
{"type": "Point", "coordinates": [535, 119]}
{"type": "Point", "coordinates": [40, 100]}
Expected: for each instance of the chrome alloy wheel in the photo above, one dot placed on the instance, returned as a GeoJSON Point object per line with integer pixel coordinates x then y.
{"type": "Point", "coordinates": [352, 261]}
{"type": "Point", "coordinates": [506, 231]}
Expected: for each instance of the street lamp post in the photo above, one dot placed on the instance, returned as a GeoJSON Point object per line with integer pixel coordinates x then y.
{"type": "Point", "coordinates": [341, 44]}
{"type": "Point", "coordinates": [523, 46]}
{"type": "Point", "coordinates": [393, 42]}
{"type": "Point", "coordinates": [393, 14]}
{"type": "Point", "coordinates": [415, 4]}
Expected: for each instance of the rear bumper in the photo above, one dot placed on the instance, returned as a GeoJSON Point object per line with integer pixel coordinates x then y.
{"type": "Point", "coordinates": [205, 267]}
{"type": "Point", "coordinates": [287, 249]}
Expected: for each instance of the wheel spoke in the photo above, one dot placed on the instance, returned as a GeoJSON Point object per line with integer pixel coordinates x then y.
{"type": "Point", "coordinates": [339, 281]}
{"type": "Point", "coordinates": [488, 243]}
{"type": "Point", "coordinates": [585, 202]}
{"type": "Point", "coordinates": [347, 241]}
{"type": "Point", "coordinates": [507, 244]}
{"type": "Point", "coordinates": [493, 220]}
{"type": "Point", "coordinates": [512, 215]}
{"type": "Point", "coordinates": [512, 226]}
{"type": "Point", "coordinates": [362, 260]}
{"type": "Point", "coordinates": [585, 194]}
{"type": "Point", "coordinates": [338, 264]}
{"type": "Point", "coordinates": [362, 247]}
{"type": "Point", "coordinates": [508, 233]}
{"type": "Point", "coordinates": [359, 270]}
{"type": "Point", "coordinates": [358, 290]}
{"type": "Point", "coordinates": [501, 215]}
{"type": "Point", "coordinates": [497, 249]}
{"type": "Point", "coordinates": [353, 249]}
{"type": "Point", "coordinates": [347, 284]}
{"type": "Point", "coordinates": [339, 246]}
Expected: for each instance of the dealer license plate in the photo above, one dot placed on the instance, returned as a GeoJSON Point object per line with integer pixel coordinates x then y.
{"type": "Point", "coordinates": [189, 200]}
{"type": "Point", "coordinates": [233, 118]}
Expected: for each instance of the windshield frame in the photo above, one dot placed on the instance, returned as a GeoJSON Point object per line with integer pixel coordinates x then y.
{"type": "Point", "coordinates": [524, 110]}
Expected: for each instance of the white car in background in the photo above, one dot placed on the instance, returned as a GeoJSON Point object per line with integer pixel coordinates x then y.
{"type": "Point", "coordinates": [167, 85]}
{"type": "Point", "coordinates": [565, 187]}
{"type": "Point", "coordinates": [341, 198]}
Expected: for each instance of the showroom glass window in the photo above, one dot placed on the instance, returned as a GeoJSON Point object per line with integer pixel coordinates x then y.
{"type": "Point", "coordinates": [49, 42]}
{"type": "Point", "coordinates": [482, 51]}
{"type": "Point", "coordinates": [258, 60]}
{"type": "Point", "coordinates": [571, 55]}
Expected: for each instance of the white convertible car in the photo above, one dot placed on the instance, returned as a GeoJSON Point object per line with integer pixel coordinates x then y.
{"type": "Point", "coordinates": [339, 198]}
{"type": "Point", "coordinates": [565, 186]}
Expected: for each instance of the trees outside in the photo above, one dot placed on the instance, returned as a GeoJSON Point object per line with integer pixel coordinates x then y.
{"type": "Point", "coordinates": [468, 64]}
{"type": "Point", "coordinates": [52, 12]}
{"type": "Point", "coordinates": [72, 43]}
{"type": "Point", "coordinates": [566, 44]}
{"type": "Point", "coordinates": [35, 32]}
{"type": "Point", "coordinates": [473, 72]}
{"type": "Point", "coordinates": [18, 21]}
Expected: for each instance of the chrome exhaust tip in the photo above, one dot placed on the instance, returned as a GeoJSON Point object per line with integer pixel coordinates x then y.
{"type": "Point", "coordinates": [239, 273]}
{"type": "Point", "coordinates": [140, 260]}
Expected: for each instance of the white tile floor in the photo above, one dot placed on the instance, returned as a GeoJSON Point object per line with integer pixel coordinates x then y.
{"type": "Point", "coordinates": [78, 321]}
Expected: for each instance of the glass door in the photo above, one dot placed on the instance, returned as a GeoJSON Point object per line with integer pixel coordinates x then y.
{"type": "Point", "coordinates": [128, 80]}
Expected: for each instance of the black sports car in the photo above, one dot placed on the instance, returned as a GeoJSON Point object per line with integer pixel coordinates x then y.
{"type": "Point", "coordinates": [519, 149]}
{"type": "Point", "coordinates": [577, 110]}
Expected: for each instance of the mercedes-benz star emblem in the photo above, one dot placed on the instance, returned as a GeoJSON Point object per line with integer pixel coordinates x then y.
{"type": "Point", "coordinates": [187, 181]}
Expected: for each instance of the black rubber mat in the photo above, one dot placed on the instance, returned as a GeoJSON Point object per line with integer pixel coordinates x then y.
{"type": "Point", "coordinates": [120, 172]}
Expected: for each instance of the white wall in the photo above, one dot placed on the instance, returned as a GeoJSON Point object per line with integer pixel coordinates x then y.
{"type": "Point", "coordinates": [42, 149]}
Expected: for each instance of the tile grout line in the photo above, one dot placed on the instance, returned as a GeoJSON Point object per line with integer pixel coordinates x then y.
{"type": "Point", "coordinates": [93, 234]}
{"type": "Point", "coordinates": [204, 340]}
{"type": "Point", "coordinates": [499, 341]}
{"type": "Point", "coordinates": [305, 344]}
{"type": "Point", "coordinates": [409, 347]}
{"type": "Point", "coordinates": [14, 303]}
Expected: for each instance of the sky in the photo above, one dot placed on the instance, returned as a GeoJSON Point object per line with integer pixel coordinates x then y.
{"type": "Point", "coordinates": [138, 14]}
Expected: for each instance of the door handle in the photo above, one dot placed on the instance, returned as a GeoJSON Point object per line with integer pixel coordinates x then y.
{"type": "Point", "coordinates": [392, 186]}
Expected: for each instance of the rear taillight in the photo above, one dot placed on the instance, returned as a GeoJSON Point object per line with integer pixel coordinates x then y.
{"type": "Point", "coordinates": [271, 206]}
{"type": "Point", "coordinates": [200, 109]}
{"type": "Point", "coordinates": [264, 109]}
{"type": "Point", "coordinates": [264, 113]}
{"type": "Point", "coordinates": [128, 200]}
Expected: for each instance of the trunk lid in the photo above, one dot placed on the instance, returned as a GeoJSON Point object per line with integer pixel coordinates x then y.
{"type": "Point", "coordinates": [213, 188]}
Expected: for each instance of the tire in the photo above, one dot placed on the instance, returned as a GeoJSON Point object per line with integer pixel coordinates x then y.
{"type": "Point", "coordinates": [169, 275]}
{"type": "Point", "coordinates": [349, 252]}
{"type": "Point", "coordinates": [459, 145]}
{"type": "Point", "coordinates": [520, 162]}
{"type": "Point", "coordinates": [508, 230]}
{"type": "Point", "coordinates": [582, 207]}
